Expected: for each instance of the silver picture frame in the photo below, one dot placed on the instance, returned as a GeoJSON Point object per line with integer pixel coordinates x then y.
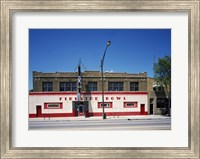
{"type": "Point", "coordinates": [8, 7]}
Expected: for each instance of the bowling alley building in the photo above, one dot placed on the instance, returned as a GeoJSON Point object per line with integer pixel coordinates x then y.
{"type": "Point", "coordinates": [125, 94]}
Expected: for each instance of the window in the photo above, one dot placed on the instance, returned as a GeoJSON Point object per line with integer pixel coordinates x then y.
{"type": "Point", "coordinates": [68, 86]}
{"type": "Point", "coordinates": [115, 86]}
{"type": "Point", "coordinates": [106, 104]}
{"type": "Point", "coordinates": [53, 106]}
{"type": "Point", "coordinates": [134, 86]}
{"type": "Point", "coordinates": [47, 86]}
{"type": "Point", "coordinates": [130, 104]}
{"type": "Point", "coordinates": [92, 86]}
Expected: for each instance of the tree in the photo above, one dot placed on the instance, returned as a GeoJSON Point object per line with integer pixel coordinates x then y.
{"type": "Point", "coordinates": [162, 75]}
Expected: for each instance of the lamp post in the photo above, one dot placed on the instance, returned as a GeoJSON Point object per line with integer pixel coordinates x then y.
{"type": "Point", "coordinates": [102, 60]}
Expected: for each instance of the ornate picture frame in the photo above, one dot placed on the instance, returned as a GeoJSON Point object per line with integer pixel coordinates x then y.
{"type": "Point", "coordinates": [8, 7]}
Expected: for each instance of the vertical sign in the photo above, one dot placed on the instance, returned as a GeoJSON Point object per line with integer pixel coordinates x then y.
{"type": "Point", "coordinates": [79, 83]}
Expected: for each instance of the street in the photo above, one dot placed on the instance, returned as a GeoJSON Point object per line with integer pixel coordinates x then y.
{"type": "Point", "coordinates": [100, 124]}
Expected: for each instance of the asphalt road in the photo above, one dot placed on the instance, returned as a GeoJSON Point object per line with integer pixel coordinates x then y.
{"type": "Point", "coordinates": [108, 124]}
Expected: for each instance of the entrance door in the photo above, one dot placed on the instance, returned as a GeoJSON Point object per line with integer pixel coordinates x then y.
{"type": "Point", "coordinates": [151, 109]}
{"type": "Point", "coordinates": [38, 111]}
{"type": "Point", "coordinates": [151, 101]}
{"type": "Point", "coordinates": [81, 110]}
{"type": "Point", "coordinates": [142, 109]}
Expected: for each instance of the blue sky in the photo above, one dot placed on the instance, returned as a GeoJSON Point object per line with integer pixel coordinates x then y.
{"type": "Point", "coordinates": [131, 50]}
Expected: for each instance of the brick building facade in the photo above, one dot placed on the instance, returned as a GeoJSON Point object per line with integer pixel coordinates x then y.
{"type": "Point", "coordinates": [55, 94]}
{"type": "Point", "coordinates": [128, 81]}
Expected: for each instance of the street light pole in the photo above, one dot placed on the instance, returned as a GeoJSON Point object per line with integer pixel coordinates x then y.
{"type": "Point", "coordinates": [102, 61]}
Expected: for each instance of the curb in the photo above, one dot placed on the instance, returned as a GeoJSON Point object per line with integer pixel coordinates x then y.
{"type": "Point", "coordinates": [95, 119]}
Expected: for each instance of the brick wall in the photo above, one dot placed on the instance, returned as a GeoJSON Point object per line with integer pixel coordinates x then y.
{"type": "Point", "coordinates": [88, 76]}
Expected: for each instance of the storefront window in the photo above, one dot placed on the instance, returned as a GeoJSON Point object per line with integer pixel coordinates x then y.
{"type": "Point", "coordinates": [106, 104]}
{"type": "Point", "coordinates": [53, 105]}
{"type": "Point", "coordinates": [130, 104]}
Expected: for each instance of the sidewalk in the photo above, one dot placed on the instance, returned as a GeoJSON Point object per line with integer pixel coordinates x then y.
{"type": "Point", "coordinates": [80, 118]}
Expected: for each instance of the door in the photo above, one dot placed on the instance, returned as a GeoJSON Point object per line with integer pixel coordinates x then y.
{"type": "Point", "coordinates": [151, 109]}
{"type": "Point", "coordinates": [81, 110]}
{"type": "Point", "coordinates": [151, 101]}
{"type": "Point", "coordinates": [38, 110]}
{"type": "Point", "coordinates": [142, 109]}
{"type": "Point", "coordinates": [75, 108]}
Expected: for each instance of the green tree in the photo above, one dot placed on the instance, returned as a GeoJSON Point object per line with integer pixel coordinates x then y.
{"type": "Point", "coordinates": [162, 75]}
